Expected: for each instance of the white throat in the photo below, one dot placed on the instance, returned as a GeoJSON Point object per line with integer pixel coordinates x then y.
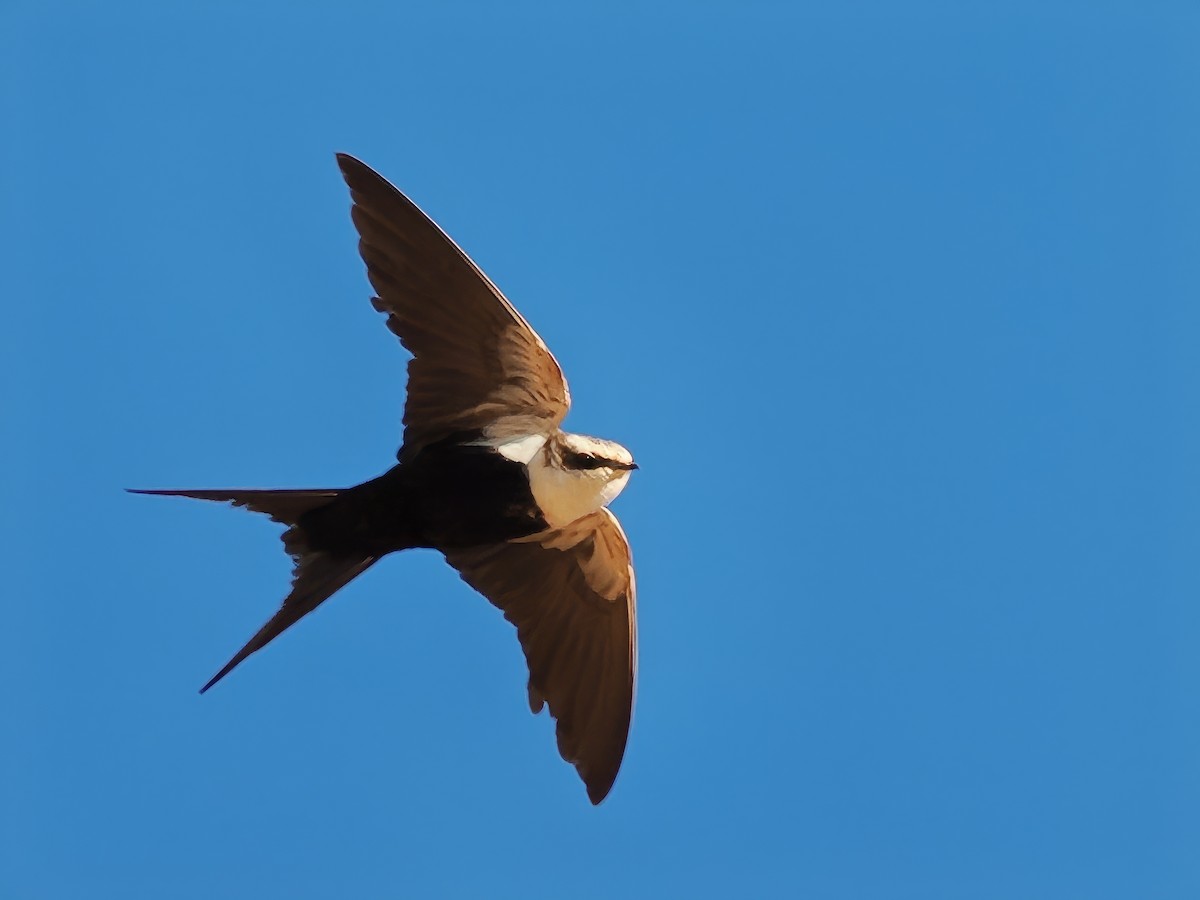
{"type": "Point", "coordinates": [564, 495]}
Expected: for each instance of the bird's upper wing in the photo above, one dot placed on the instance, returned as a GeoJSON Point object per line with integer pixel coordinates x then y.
{"type": "Point", "coordinates": [476, 362]}
{"type": "Point", "coordinates": [571, 593]}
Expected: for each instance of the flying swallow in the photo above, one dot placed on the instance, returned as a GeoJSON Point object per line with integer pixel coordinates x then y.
{"type": "Point", "coordinates": [486, 476]}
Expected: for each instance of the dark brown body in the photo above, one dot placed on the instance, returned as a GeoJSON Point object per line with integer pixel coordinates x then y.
{"type": "Point", "coordinates": [450, 495]}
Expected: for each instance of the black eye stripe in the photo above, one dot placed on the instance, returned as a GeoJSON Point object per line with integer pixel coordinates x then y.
{"type": "Point", "coordinates": [585, 461]}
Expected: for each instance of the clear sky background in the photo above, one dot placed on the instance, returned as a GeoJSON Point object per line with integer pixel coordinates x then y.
{"type": "Point", "coordinates": [899, 312]}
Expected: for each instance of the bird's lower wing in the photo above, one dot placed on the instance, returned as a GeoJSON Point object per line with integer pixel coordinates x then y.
{"type": "Point", "coordinates": [572, 596]}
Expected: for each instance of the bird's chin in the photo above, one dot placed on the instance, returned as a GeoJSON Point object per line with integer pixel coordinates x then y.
{"type": "Point", "coordinates": [615, 485]}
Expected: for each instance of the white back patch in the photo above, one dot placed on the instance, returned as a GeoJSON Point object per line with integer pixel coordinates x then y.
{"type": "Point", "coordinates": [522, 449]}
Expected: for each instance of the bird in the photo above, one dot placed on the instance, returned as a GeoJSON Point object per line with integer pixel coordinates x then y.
{"type": "Point", "coordinates": [485, 475]}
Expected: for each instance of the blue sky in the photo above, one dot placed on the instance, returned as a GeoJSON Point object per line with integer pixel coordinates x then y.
{"type": "Point", "coordinates": [898, 312]}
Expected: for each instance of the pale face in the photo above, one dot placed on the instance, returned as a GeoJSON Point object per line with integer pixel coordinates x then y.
{"type": "Point", "coordinates": [587, 475]}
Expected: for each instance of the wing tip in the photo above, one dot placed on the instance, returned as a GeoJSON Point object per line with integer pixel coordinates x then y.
{"type": "Point", "coordinates": [353, 169]}
{"type": "Point", "coordinates": [598, 791]}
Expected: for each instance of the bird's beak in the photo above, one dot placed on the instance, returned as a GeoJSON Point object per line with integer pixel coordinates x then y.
{"type": "Point", "coordinates": [630, 467]}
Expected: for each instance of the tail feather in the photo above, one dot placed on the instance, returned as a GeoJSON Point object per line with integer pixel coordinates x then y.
{"type": "Point", "coordinates": [282, 506]}
{"type": "Point", "coordinates": [317, 574]}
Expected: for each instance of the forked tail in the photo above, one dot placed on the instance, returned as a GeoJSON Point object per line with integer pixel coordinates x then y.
{"type": "Point", "coordinates": [316, 575]}
{"type": "Point", "coordinates": [285, 507]}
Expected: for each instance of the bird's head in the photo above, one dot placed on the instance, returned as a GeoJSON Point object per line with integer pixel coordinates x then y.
{"type": "Point", "coordinates": [577, 475]}
{"type": "Point", "coordinates": [607, 459]}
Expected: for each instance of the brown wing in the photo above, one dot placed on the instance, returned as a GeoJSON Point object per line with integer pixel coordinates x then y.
{"type": "Point", "coordinates": [571, 594]}
{"type": "Point", "coordinates": [476, 362]}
